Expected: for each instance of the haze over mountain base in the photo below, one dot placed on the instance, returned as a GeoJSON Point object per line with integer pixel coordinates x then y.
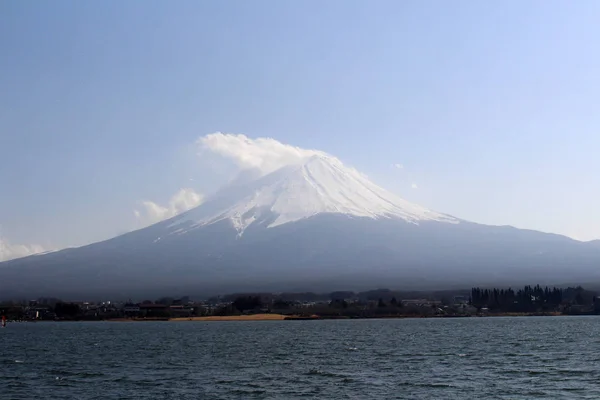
{"type": "Point", "coordinates": [325, 252]}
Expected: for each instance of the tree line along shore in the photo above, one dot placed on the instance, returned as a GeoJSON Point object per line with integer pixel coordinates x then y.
{"type": "Point", "coordinates": [380, 303]}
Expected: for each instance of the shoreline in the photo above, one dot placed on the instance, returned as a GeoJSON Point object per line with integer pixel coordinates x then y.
{"type": "Point", "coordinates": [282, 317]}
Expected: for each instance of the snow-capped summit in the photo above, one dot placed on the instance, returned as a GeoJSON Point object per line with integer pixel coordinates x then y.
{"type": "Point", "coordinates": [317, 185]}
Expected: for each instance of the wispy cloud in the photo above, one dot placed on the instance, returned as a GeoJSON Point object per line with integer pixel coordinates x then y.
{"type": "Point", "coordinates": [9, 251]}
{"type": "Point", "coordinates": [264, 154]}
{"type": "Point", "coordinates": [414, 186]}
{"type": "Point", "coordinates": [398, 166]}
{"type": "Point", "coordinates": [181, 201]}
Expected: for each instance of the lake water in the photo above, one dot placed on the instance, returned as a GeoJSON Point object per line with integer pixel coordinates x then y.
{"type": "Point", "coordinates": [491, 358]}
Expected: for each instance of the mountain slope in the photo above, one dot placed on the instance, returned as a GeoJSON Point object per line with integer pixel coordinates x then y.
{"type": "Point", "coordinates": [316, 225]}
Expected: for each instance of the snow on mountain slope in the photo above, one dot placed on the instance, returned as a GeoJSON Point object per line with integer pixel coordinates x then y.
{"type": "Point", "coordinates": [321, 184]}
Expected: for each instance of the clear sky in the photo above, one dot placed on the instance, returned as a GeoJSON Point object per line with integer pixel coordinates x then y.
{"type": "Point", "coordinates": [492, 108]}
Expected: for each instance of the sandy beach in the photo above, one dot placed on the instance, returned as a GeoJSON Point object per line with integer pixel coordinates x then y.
{"type": "Point", "coordinates": [254, 317]}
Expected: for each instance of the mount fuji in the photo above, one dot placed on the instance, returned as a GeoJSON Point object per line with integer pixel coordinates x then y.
{"type": "Point", "coordinates": [312, 225]}
{"type": "Point", "coordinates": [320, 185]}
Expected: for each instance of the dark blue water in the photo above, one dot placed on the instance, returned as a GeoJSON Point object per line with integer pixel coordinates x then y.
{"type": "Point", "coordinates": [491, 358]}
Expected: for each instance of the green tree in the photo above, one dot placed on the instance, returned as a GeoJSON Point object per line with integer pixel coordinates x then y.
{"type": "Point", "coordinates": [244, 303]}
{"type": "Point", "coordinates": [66, 310]}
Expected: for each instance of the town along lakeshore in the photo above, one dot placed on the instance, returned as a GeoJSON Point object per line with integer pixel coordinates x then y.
{"type": "Point", "coordinates": [381, 303]}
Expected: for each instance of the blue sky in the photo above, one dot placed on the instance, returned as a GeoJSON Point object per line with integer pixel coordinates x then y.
{"type": "Point", "coordinates": [491, 107]}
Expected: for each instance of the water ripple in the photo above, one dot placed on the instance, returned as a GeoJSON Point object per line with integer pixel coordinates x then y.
{"type": "Point", "coordinates": [501, 358]}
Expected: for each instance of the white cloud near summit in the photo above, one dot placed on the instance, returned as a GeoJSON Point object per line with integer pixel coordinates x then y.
{"type": "Point", "coordinates": [9, 251]}
{"type": "Point", "coordinates": [181, 201]}
{"type": "Point", "coordinates": [265, 154]}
